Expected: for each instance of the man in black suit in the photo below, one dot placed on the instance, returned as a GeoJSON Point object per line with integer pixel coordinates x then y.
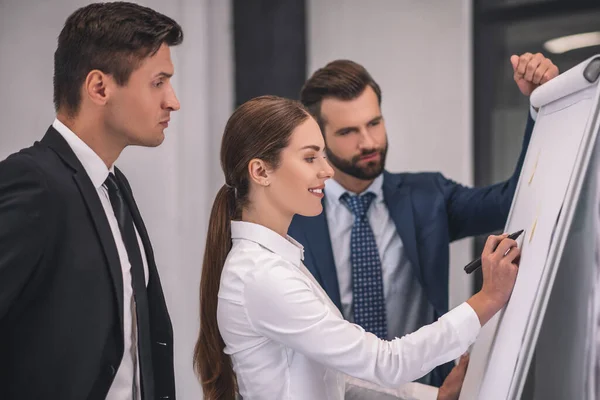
{"type": "Point", "coordinates": [82, 312]}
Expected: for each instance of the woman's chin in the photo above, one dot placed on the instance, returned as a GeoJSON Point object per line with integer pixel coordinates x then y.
{"type": "Point", "coordinates": [311, 211]}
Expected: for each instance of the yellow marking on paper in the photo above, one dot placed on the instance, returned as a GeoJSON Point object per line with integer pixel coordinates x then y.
{"type": "Point", "coordinates": [532, 229]}
{"type": "Point", "coordinates": [534, 223]}
{"type": "Point", "coordinates": [537, 159]}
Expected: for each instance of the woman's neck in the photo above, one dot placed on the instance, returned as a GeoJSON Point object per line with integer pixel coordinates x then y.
{"type": "Point", "coordinates": [267, 216]}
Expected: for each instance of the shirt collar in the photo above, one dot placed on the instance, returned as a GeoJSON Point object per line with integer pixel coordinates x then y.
{"type": "Point", "coordinates": [92, 163]}
{"type": "Point", "coordinates": [286, 247]}
{"type": "Point", "coordinates": [333, 191]}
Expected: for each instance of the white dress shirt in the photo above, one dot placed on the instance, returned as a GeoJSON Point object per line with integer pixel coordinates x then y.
{"type": "Point", "coordinates": [122, 387]}
{"type": "Point", "coordinates": [287, 340]}
{"type": "Point", "coordinates": [407, 306]}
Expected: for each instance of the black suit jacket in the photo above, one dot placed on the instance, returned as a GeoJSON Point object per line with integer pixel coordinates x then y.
{"type": "Point", "coordinates": [61, 286]}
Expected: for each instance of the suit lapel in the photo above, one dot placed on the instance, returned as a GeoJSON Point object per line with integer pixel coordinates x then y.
{"type": "Point", "coordinates": [319, 244]}
{"type": "Point", "coordinates": [92, 201]}
{"type": "Point", "coordinates": [398, 200]}
{"type": "Point", "coordinates": [55, 141]}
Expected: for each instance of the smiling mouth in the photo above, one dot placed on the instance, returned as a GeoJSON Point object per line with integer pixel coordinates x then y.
{"type": "Point", "coordinates": [316, 191]}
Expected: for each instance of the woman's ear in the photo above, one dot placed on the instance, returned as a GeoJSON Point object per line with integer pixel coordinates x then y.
{"type": "Point", "coordinates": [258, 172]}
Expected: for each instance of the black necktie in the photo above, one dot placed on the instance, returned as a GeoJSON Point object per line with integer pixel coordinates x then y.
{"type": "Point", "coordinates": [125, 220]}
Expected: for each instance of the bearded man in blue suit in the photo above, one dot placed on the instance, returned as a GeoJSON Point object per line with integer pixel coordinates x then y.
{"type": "Point", "coordinates": [380, 249]}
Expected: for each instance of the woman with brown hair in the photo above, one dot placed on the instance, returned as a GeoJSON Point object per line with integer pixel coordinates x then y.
{"type": "Point", "coordinates": [267, 329]}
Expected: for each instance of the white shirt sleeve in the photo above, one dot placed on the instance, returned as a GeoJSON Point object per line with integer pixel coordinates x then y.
{"type": "Point", "coordinates": [281, 304]}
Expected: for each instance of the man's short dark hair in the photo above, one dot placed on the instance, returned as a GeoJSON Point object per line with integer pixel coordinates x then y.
{"type": "Point", "coordinates": [111, 37]}
{"type": "Point", "coordinates": [340, 79]}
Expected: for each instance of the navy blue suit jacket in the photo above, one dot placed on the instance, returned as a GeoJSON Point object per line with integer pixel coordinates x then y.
{"type": "Point", "coordinates": [429, 212]}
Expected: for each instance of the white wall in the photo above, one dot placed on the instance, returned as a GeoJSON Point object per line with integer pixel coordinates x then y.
{"type": "Point", "coordinates": [419, 51]}
{"type": "Point", "coordinates": [175, 183]}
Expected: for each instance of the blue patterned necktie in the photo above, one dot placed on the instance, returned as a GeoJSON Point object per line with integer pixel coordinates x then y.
{"type": "Point", "coordinates": [367, 282]}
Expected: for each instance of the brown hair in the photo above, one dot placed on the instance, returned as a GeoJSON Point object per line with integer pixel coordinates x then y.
{"type": "Point", "coordinates": [260, 128]}
{"type": "Point", "coordinates": [111, 37]}
{"type": "Point", "coordinates": [340, 79]}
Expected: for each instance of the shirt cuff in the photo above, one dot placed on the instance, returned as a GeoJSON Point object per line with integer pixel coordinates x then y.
{"type": "Point", "coordinates": [418, 391]}
{"type": "Point", "coordinates": [360, 389]}
{"type": "Point", "coordinates": [465, 322]}
{"type": "Point", "coordinates": [533, 113]}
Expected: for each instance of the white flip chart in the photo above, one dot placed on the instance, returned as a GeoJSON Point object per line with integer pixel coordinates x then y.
{"type": "Point", "coordinates": [544, 203]}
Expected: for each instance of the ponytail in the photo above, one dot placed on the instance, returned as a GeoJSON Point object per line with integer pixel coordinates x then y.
{"type": "Point", "coordinates": [259, 129]}
{"type": "Point", "coordinates": [211, 363]}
